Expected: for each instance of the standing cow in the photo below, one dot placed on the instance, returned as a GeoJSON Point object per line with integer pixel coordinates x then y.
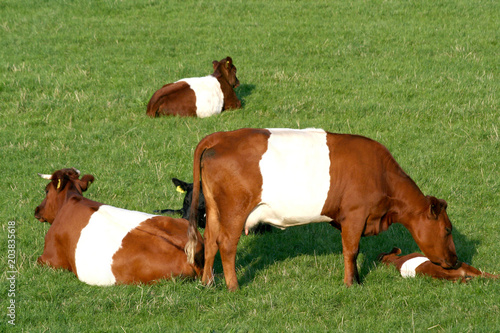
{"type": "Point", "coordinates": [104, 245]}
{"type": "Point", "coordinates": [288, 177]}
{"type": "Point", "coordinates": [199, 96]}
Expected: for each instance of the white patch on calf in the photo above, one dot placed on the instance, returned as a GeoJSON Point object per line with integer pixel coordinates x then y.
{"type": "Point", "coordinates": [209, 96]}
{"type": "Point", "coordinates": [100, 240]}
{"type": "Point", "coordinates": [409, 266]}
{"type": "Point", "coordinates": [296, 178]}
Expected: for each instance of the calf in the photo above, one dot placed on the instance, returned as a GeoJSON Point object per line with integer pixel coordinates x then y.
{"type": "Point", "coordinates": [200, 96]}
{"type": "Point", "coordinates": [104, 245]}
{"type": "Point", "coordinates": [187, 189]}
{"type": "Point", "coordinates": [415, 263]}
{"type": "Point", "coordinates": [290, 177]}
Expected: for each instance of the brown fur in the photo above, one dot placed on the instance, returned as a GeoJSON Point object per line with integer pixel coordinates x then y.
{"type": "Point", "coordinates": [178, 99]}
{"type": "Point", "coordinates": [368, 192]}
{"type": "Point", "coordinates": [153, 250]}
{"type": "Point", "coordinates": [463, 273]}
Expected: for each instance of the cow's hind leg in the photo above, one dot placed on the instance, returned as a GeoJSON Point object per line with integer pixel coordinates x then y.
{"type": "Point", "coordinates": [228, 242]}
{"type": "Point", "coordinates": [211, 234]}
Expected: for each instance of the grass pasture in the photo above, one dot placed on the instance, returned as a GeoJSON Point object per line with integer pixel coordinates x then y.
{"type": "Point", "coordinates": [421, 77]}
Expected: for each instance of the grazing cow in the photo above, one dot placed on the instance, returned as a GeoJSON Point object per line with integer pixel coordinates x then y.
{"type": "Point", "coordinates": [104, 245]}
{"type": "Point", "coordinates": [288, 177]}
{"type": "Point", "coordinates": [199, 96]}
{"type": "Point", "coordinates": [415, 263]}
{"type": "Point", "coordinates": [187, 188]}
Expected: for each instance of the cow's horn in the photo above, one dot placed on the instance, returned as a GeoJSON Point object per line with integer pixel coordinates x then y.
{"type": "Point", "coordinates": [44, 176]}
{"type": "Point", "coordinates": [77, 171]}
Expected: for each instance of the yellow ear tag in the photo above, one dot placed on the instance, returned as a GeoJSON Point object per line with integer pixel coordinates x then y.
{"type": "Point", "coordinates": [227, 64]}
{"type": "Point", "coordinates": [58, 183]}
{"type": "Point", "coordinates": [180, 190]}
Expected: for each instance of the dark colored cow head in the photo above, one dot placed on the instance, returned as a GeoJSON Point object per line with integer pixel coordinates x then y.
{"type": "Point", "coordinates": [63, 184]}
{"type": "Point", "coordinates": [226, 69]}
{"type": "Point", "coordinates": [187, 188]}
{"type": "Point", "coordinates": [432, 233]}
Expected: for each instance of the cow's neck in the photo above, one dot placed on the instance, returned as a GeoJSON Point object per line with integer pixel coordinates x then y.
{"type": "Point", "coordinates": [224, 85]}
{"type": "Point", "coordinates": [408, 201]}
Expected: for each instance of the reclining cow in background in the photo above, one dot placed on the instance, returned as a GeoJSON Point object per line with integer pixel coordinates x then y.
{"type": "Point", "coordinates": [199, 96]}
{"type": "Point", "coordinates": [187, 189]}
{"type": "Point", "coordinates": [104, 245]}
{"type": "Point", "coordinates": [290, 177]}
{"type": "Point", "coordinates": [415, 263]}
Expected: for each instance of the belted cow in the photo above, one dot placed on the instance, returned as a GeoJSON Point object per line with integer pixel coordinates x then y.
{"type": "Point", "coordinates": [288, 177]}
{"type": "Point", "coordinates": [104, 245]}
{"type": "Point", "coordinates": [415, 263]}
{"type": "Point", "coordinates": [199, 96]}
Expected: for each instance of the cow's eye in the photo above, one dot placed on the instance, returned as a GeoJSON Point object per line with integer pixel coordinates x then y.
{"type": "Point", "coordinates": [448, 231]}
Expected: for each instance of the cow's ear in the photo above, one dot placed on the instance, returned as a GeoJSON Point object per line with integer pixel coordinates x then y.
{"type": "Point", "coordinates": [58, 180]}
{"type": "Point", "coordinates": [217, 72]}
{"type": "Point", "coordinates": [85, 182]}
{"type": "Point", "coordinates": [436, 206]}
{"type": "Point", "coordinates": [180, 186]}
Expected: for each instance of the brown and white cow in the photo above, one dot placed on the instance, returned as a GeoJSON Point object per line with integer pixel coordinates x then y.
{"type": "Point", "coordinates": [104, 245]}
{"type": "Point", "coordinates": [199, 96]}
{"type": "Point", "coordinates": [415, 263]}
{"type": "Point", "coordinates": [288, 177]}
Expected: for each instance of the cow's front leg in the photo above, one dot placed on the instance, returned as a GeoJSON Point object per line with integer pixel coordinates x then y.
{"type": "Point", "coordinates": [351, 235]}
{"type": "Point", "coordinates": [54, 261]}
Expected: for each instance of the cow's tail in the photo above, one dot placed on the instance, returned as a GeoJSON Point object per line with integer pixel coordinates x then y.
{"type": "Point", "coordinates": [190, 247]}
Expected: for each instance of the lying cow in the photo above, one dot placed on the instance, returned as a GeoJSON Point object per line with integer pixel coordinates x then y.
{"type": "Point", "coordinates": [288, 177]}
{"type": "Point", "coordinates": [199, 96]}
{"type": "Point", "coordinates": [415, 263]}
{"type": "Point", "coordinates": [187, 189]}
{"type": "Point", "coordinates": [104, 245]}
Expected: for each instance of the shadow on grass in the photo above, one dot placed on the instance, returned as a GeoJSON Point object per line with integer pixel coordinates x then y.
{"type": "Point", "coordinates": [261, 251]}
{"type": "Point", "coordinates": [243, 91]}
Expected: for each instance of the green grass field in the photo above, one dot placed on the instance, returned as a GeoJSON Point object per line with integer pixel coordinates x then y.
{"type": "Point", "coordinates": [421, 77]}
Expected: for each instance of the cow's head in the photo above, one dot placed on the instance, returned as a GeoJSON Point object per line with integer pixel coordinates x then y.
{"type": "Point", "coordinates": [432, 232]}
{"type": "Point", "coordinates": [63, 183]}
{"type": "Point", "coordinates": [226, 70]}
{"type": "Point", "coordinates": [187, 188]}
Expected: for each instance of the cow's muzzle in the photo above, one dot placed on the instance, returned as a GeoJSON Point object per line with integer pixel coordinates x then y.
{"type": "Point", "coordinates": [38, 216]}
